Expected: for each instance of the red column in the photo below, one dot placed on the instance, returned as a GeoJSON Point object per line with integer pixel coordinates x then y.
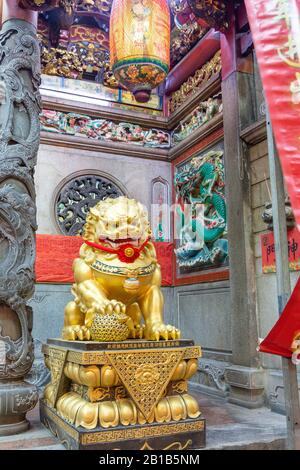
{"type": "Point", "coordinates": [10, 9]}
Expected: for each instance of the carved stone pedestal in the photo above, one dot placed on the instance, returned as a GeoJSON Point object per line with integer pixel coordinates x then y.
{"type": "Point", "coordinates": [16, 399]}
{"type": "Point", "coordinates": [127, 395]}
{"type": "Point", "coordinates": [247, 386]}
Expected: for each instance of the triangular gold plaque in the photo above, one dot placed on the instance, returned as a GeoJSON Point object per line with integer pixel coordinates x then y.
{"type": "Point", "coordinates": [146, 374]}
{"type": "Point", "coordinates": [57, 359]}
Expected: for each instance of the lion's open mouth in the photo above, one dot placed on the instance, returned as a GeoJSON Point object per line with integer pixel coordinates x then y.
{"type": "Point", "coordinates": [121, 241]}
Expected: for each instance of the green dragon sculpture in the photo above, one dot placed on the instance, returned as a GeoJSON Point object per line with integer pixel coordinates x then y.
{"type": "Point", "coordinates": [201, 210]}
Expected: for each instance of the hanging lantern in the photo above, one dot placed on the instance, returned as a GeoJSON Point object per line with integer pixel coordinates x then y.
{"type": "Point", "coordinates": [140, 44]}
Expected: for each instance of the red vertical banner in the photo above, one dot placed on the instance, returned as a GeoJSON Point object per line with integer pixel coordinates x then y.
{"type": "Point", "coordinates": [268, 251]}
{"type": "Point", "coordinates": [275, 26]}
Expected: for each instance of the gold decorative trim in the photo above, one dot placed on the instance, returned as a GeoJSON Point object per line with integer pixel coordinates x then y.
{"type": "Point", "coordinates": [65, 442]}
{"type": "Point", "coordinates": [117, 271]}
{"type": "Point", "coordinates": [211, 68]}
{"type": "Point", "coordinates": [150, 345]}
{"type": "Point", "coordinates": [180, 387]}
{"type": "Point", "coordinates": [88, 358]}
{"type": "Point", "coordinates": [192, 352]}
{"type": "Point", "coordinates": [173, 446]}
{"type": "Point", "coordinates": [57, 360]}
{"type": "Point", "coordinates": [140, 433]}
{"type": "Point", "coordinates": [210, 88]}
{"type": "Point", "coordinates": [59, 422]}
{"type": "Point", "coordinates": [101, 357]}
{"type": "Point", "coordinates": [146, 374]}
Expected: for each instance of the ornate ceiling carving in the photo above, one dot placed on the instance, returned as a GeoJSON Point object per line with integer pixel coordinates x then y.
{"type": "Point", "coordinates": [75, 33]}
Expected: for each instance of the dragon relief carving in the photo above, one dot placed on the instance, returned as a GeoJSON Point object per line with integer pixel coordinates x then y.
{"type": "Point", "coordinates": [214, 373]}
{"type": "Point", "coordinates": [19, 142]}
{"type": "Point", "coordinates": [200, 188]}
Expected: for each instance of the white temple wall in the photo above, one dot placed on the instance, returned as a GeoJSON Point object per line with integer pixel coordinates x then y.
{"type": "Point", "coordinates": [56, 163]}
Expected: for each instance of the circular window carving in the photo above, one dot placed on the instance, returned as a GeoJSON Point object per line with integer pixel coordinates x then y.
{"type": "Point", "coordinates": [76, 196]}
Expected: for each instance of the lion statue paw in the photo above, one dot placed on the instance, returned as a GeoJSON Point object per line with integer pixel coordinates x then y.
{"type": "Point", "coordinates": [161, 331]}
{"type": "Point", "coordinates": [112, 306]}
{"type": "Point", "coordinates": [137, 332]}
{"type": "Point", "coordinates": [76, 332]}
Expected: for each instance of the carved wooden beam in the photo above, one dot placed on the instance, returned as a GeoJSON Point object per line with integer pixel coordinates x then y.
{"type": "Point", "coordinates": [201, 53]}
{"type": "Point", "coordinates": [67, 7]}
{"type": "Point", "coordinates": [213, 13]}
{"type": "Point", "coordinates": [39, 5]}
{"type": "Point", "coordinates": [10, 10]}
{"type": "Point", "coordinates": [61, 14]}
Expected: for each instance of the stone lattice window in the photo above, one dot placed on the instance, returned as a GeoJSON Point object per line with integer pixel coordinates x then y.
{"type": "Point", "coordinates": [77, 195]}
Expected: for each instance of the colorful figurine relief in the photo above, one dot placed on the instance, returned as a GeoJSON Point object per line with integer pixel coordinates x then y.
{"type": "Point", "coordinates": [212, 13]}
{"type": "Point", "coordinates": [201, 115]}
{"type": "Point", "coordinates": [202, 75]}
{"type": "Point", "coordinates": [101, 129]}
{"type": "Point", "coordinates": [200, 184]}
{"type": "Point", "coordinates": [103, 6]}
{"type": "Point", "coordinates": [184, 40]}
{"type": "Point", "coordinates": [90, 45]}
{"type": "Point", "coordinates": [117, 278]}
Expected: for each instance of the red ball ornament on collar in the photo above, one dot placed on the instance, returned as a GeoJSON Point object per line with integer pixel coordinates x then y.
{"type": "Point", "coordinates": [126, 253]}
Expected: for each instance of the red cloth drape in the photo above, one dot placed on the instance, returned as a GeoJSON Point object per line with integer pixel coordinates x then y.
{"type": "Point", "coordinates": [281, 336]}
{"type": "Point", "coordinates": [55, 255]}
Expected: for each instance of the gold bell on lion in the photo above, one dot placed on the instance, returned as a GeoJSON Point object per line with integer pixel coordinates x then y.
{"type": "Point", "coordinates": [131, 284]}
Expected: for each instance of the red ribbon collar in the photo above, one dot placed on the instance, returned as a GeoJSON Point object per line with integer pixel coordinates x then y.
{"type": "Point", "coordinates": [126, 253]}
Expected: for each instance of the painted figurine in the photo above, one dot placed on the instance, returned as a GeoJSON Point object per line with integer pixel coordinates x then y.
{"type": "Point", "coordinates": [202, 234]}
{"type": "Point", "coordinates": [204, 112]}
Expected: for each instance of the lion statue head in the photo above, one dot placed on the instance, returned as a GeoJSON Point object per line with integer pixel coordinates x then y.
{"type": "Point", "coordinates": [117, 221]}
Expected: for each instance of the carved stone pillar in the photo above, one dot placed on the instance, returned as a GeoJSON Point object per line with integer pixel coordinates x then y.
{"type": "Point", "coordinates": [245, 376]}
{"type": "Point", "coordinates": [19, 142]}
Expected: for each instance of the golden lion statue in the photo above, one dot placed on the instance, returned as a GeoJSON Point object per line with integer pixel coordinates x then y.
{"type": "Point", "coordinates": [117, 278]}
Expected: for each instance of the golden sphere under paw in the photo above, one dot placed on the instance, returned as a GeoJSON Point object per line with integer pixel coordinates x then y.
{"type": "Point", "coordinates": [107, 327]}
